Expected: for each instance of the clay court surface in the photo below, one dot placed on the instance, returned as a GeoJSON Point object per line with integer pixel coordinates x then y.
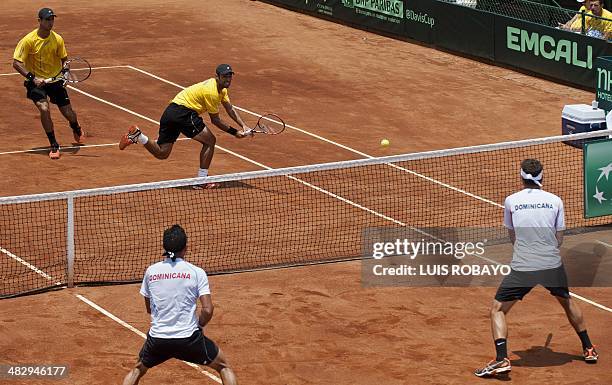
{"type": "Point", "coordinates": [302, 325]}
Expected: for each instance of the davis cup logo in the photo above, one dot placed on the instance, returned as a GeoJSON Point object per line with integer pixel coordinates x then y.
{"type": "Point", "coordinates": [598, 178]}
{"type": "Point", "coordinates": [603, 189]}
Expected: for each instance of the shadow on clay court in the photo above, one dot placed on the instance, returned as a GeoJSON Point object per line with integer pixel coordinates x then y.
{"type": "Point", "coordinates": [73, 149]}
{"type": "Point", "coordinates": [235, 184]}
{"type": "Point", "coordinates": [543, 356]}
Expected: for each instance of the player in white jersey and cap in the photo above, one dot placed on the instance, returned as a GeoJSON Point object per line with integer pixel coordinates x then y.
{"type": "Point", "coordinates": [171, 289]}
{"type": "Point", "coordinates": [535, 221]}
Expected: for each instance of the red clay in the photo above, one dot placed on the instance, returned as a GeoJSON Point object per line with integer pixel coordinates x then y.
{"type": "Point", "coordinates": [309, 325]}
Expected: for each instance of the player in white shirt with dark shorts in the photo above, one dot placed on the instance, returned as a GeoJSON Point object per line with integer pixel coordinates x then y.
{"type": "Point", "coordinates": [171, 289]}
{"type": "Point", "coordinates": [535, 221]}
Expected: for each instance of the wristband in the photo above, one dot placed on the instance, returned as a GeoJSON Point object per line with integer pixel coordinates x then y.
{"type": "Point", "coordinates": [30, 76]}
{"type": "Point", "coordinates": [232, 131]}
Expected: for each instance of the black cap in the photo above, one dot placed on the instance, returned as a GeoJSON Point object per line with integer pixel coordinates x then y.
{"type": "Point", "coordinates": [45, 13]}
{"type": "Point", "coordinates": [224, 69]}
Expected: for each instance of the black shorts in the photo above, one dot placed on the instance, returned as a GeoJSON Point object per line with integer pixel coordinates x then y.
{"type": "Point", "coordinates": [197, 349]}
{"type": "Point", "coordinates": [178, 119]}
{"type": "Point", "coordinates": [518, 283]}
{"type": "Point", "coordinates": [55, 91]}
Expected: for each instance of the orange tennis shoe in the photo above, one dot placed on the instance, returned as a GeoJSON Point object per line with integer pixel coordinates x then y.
{"type": "Point", "coordinates": [130, 137]}
{"type": "Point", "coordinates": [55, 152]}
{"type": "Point", "coordinates": [590, 355]}
{"type": "Point", "coordinates": [494, 368]}
{"type": "Point", "coordinates": [79, 136]}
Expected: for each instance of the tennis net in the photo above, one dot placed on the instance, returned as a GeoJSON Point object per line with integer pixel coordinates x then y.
{"type": "Point", "coordinates": [273, 218]}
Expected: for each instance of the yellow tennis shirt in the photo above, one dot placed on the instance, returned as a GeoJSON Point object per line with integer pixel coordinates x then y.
{"type": "Point", "coordinates": [603, 26]}
{"type": "Point", "coordinates": [202, 97]}
{"type": "Point", "coordinates": [42, 57]}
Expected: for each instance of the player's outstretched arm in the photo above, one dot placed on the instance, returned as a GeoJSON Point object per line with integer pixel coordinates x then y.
{"type": "Point", "coordinates": [217, 121]}
{"type": "Point", "coordinates": [231, 111]}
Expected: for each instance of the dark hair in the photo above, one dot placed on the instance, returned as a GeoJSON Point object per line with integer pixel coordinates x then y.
{"type": "Point", "coordinates": [175, 240]}
{"type": "Point", "coordinates": [533, 167]}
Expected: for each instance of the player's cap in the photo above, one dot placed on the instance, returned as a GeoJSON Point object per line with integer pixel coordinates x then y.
{"type": "Point", "coordinates": [45, 13]}
{"type": "Point", "coordinates": [224, 69]}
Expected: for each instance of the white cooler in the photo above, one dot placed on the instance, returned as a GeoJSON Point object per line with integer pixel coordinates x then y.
{"type": "Point", "coordinates": [578, 118]}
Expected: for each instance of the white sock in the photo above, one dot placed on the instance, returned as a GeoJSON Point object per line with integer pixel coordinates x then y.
{"type": "Point", "coordinates": [203, 172]}
{"type": "Point", "coordinates": [142, 138]}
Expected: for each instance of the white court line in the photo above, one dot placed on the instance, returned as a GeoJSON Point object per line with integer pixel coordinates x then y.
{"type": "Point", "coordinates": [93, 68]}
{"type": "Point", "coordinates": [46, 149]}
{"type": "Point", "coordinates": [141, 334]}
{"type": "Point", "coordinates": [591, 302]}
{"type": "Point", "coordinates": [30, 266]}
{"type": "Point", "coordinates": [604, 243]}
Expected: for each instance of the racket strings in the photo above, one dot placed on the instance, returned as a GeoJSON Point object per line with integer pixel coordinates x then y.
{"type": "Point", "coordinates": [77, 70]}
{"type": "Point", "coordinates": [264, 127]}
{"type": "Point", "coordinates": [271, 126]}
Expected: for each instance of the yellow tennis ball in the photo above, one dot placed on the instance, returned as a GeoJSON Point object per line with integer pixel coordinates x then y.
{"type": "Point", "coordinates": [385, 142]}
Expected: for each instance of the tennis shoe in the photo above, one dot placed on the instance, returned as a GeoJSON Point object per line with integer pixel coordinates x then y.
{"type": "Point", "coordinates": [55, 151]}
{"type": "Point", "coordinates": [79, 135]}
{"type": "Point", "coordinates": [494, 368]}
{"type": "Point", "coordinates": [130, 137]}
{"type": "Point", "coordinates": [590, 355]}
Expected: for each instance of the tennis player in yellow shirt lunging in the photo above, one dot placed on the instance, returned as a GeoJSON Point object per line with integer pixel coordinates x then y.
{"type": "Point", "coordinates": [183, 116]}
{"type": "Point", "coordinates": [41, 55]}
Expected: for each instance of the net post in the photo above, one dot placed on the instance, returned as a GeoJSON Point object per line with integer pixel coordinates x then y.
{"type": "Point", "coordinates": [70, 241]}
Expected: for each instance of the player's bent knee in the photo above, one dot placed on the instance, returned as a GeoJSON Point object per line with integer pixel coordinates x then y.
{"type": "Point", "coordinates": [219, 363]}
{"type": "Point", "coordinates": [496, 306]}
{"type": "Point", "coordinates": [43, 108]}
{"type": "Point", "coordinates": [206, 137]}
{"type": "Point", "coordinates": [162, 151]}
{"type": "Point", "coordinates": [565, 302]}
{"type": "Point", "coordinates": [141, 368]}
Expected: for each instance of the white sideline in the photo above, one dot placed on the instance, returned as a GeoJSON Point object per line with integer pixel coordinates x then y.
{"type": "Point", "coordinates": [30, 266]}
{"type": "Point", "coordinates": [604, 243]}
{"type": "Point", "coordinates": [141, 334]}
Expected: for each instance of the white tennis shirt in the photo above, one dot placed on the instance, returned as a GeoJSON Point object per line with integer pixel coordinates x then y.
{"type": "Point", "coordinates": [535, 216]}
{"type": "Point", "coordinates": [173, 289]}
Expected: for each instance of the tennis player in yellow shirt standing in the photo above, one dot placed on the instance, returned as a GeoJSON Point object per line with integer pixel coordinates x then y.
{"type": "Point", "coordinates": [183, 116]}
{"type": "Point", "coordinates": [40, 55]}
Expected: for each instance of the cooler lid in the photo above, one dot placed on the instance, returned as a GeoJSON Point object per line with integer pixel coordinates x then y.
{"type": "Point", "coordinates": [583, 113]}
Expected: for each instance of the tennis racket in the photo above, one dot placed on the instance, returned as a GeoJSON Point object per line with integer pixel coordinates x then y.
{"type": "Point", "coordinates": [74, 70]}
{"type": "Point", "coordinates": [270, 124]}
